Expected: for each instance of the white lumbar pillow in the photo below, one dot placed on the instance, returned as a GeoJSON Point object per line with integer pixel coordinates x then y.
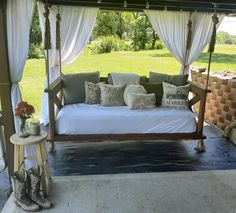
{"type": "Point", "coordinates": [131, 89]}
{"type": "Point", "coordinates": [141, 101]}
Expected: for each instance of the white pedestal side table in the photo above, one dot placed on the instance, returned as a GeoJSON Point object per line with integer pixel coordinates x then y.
{"type": "Point", "coordinates": [42, 159]}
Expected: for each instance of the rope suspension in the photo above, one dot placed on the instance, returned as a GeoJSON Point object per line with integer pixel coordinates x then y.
{"type": "Point", "coordinates": [47, 40]}
{"type": "Point", "coordinates": [215, 20]}
{"type": "Point", "coordinates": [47, 33]}
{"type": "Point", "coordinates": [211, 48]}
{"type": "Point", "coordinates": [190, 32]}
{"type": "Point", "coordinates": [188, 44]}
{"type": "Point", "coordinates": [58, 29]}
{"type": "Point", "coordinates": [58, 37]}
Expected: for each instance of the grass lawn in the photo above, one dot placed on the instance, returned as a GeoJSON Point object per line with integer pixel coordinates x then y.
{"type": "Point", "coordinates": [140, 62]}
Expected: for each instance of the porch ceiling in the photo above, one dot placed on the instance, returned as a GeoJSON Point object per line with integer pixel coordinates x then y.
{"type": "Point", "coordinates": [224, 6]}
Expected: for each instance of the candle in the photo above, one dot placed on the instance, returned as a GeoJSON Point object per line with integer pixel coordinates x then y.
{"type": "Point", "coordinates": [34, 128]}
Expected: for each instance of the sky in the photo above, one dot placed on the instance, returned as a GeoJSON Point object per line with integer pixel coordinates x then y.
{"type": "Point", "coordinates": [228, 25]}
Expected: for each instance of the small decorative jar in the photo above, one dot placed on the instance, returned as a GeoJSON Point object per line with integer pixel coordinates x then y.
{"type": "Point", "coordinates": [34, 128]}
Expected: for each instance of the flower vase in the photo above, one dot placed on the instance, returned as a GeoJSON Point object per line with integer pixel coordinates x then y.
{"type": "Point", "coordinates": [23, 130]}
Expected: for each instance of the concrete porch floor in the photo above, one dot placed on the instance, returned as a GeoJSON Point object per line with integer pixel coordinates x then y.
{"type": "Point", "coordinates": [166, 192]}
{"type": "Point", "coordinates": [73, 159]}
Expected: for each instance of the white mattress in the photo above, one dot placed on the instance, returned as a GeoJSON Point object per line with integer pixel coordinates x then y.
{"type": "Point", "coordinates": [95, 119]}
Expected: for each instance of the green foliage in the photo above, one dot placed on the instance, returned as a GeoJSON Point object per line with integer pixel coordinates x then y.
{"type": "Point", "coordinates": [225, 38]}
{"type": "Point", "coordinates": [143, 35]}
{"type": "Point", "coordinates": [108, 44]}
{"type": "Point", "coordinates": [35, 51]}
{"type": "Point", "coordinates": [112, 23]}
{"type": "Point", "coordinates": [35, 32]}
{"type": "Point", "coordinates": [159, 45]}
{"type": "Point", "coordinates": [133, 27]}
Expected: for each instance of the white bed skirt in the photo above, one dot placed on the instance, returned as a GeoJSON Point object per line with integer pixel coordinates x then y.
{"type": "Point", "coordinates": [95, 119]}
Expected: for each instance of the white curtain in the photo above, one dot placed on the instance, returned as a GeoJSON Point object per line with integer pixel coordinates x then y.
{"type": "Point", "coordinates": [77, 24]}
{"type": "Point", "coordinates": [19, 17]}
{"type": "Point", "coordinates": [172, 29]}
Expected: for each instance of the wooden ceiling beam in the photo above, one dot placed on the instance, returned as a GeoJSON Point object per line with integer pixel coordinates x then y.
{"type": "Point", "coordinates": [134, 5]}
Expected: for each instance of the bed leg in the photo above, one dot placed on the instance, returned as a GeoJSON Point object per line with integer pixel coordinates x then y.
{"type": "Point", "coordinates": [52, 147]}
{"type": "Point", "coordinates": [200, 146]}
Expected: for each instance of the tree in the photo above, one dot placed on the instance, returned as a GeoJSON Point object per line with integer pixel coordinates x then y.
{"type": "Point", "coordinates": [134, 27]}
{"type": "Point", "coordinates": [143, 33]}
{"type": "Point", "coordinates": [224, 38]}
{"type": "Point", "coordinates": [35, 31]}
{"type": "Point", "coordinates": [112, 23]}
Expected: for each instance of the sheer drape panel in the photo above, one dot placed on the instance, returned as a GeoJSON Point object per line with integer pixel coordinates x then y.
{"type": "Point", "coordinates": [202, 31]}
{"type": "Point", "coordinates": [172, 28]}
{"type": "Point", "coordinates": [19, 17]}
{"type": "Point", "coordinates": [77, 24]}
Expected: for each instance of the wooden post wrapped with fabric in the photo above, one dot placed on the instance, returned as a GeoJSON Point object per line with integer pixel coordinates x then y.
{"type": "Point", "coordinates": [201, 146]}
{"type": "Point", "coordinates": [58, 48]}
{"type": "Point", "coordinates": [47, 47]}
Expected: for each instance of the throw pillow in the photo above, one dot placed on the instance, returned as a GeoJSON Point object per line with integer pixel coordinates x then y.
{"type": "Point", "coordinates": [156, 89]}
{"type": "Point", "coordinates": [141, 101]}
{"type": "Point", "coordinates": [92, 92]}
{"type": "Point", "coordinates": [176, 97]}
{"type": "Point", "coordinates": [130, 89]}
{"type": "Point", "coordinates": [112, 95]}
{"type": "Point", "coordinates": [177, 80]}
{"type": "Point", "coordinates": [143, 78]}
{"type": "Point", "coordinates": [74, 86]}
{"type": "Point", "coordinates": [119, 78]}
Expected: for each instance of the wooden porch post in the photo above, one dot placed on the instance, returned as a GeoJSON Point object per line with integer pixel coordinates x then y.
{"type": "Point", "coordinates": [5, 88]}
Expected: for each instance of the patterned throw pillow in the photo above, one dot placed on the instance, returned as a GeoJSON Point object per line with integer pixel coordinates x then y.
{"type": "Point", "coordinates": [131, 89]}
{"type": "Point", "coordinates": [92, 92]}
{"type": "Point", "coordinates": [141, 101]}
{"type": "Point", "coordinates": [112, 95]}
{"type": "Point", "coordinates": [176, 97]}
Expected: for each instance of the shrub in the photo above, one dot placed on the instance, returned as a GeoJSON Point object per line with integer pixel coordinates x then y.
{"type": "Point", "coordinates": [35, 51]}
{"type": "Point", "coordinates": [109, 44]}
{"type": "Point", "coordinates": [159, 45]}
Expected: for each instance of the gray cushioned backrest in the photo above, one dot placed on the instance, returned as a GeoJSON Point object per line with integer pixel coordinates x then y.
{"type": "Point", "coordinates": [74, 86]}
{"type": "Point", "coordinates": [177, 80]}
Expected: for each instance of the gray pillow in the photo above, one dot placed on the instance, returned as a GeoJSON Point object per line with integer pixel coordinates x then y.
{"type": "Point", "coordinates": [141, 101]}
{"type": "Point", "coordinates": [92, 92]}
{"type": "Point", "coordinates": [177, 80]}
{"type": "Point", "coordinates": [74, 86]}
{"type": "Point", "coordinates": [133, 88]}
{"type": "Point", "coordinates": [175, 97]}
{"type": "Point", "coordinates": [112, 95]}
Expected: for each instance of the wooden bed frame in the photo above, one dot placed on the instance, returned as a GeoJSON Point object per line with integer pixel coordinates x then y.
{"type": "Point", "coordinates": [55, 105]}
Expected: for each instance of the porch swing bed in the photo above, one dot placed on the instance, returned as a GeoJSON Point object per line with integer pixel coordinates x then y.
{"type": "Point", "coordinates": [84, 122]}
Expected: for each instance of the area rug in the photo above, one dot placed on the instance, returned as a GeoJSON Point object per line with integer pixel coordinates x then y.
{"type": "Point", "coordinates": [177, 192]}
